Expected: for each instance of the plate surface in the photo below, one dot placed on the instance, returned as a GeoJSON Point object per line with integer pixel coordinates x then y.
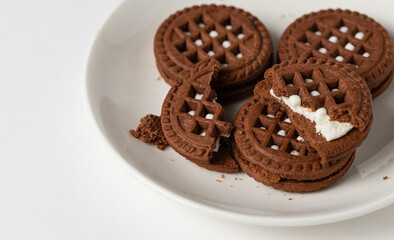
{"type": "Point", "coordinates": [122, 85]}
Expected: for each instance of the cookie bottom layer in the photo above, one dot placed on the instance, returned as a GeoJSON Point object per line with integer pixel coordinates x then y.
{"type": "Point", "coordinates": [224, 94]}
{"type": "Point", "coordinates": [221, 162]}
{"type": "Point", "coordinates": [383, 86]}
{"type": "Point", "coordinates": [288, 185]}
{"type": "Point", "coordinates": [233, 94]}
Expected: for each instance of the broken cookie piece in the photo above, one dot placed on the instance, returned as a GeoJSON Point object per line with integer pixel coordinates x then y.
{"type": "Point", "coordinates": [193, 122]}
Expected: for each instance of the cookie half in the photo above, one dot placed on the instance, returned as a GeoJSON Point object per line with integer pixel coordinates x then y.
{"type": "Point", "coordinates": [236, 40]}
{"type": "Point", "coordinates": [192, 121]}
{"type": "Point", "coordinates": [324, 90]}
{"type": "Point", "coordinates": [345, 36]}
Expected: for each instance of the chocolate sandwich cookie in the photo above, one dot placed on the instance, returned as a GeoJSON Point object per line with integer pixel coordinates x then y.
{"type": "Point", "coordinates": [289, 185]}
{"type": "Point", "coordinates": [237, 41]}
{"type": "Point", "coordinates": [348, 37]}
{"type": "Point", "coordinates": [300, 131]}
{"type": "Point", "coordinates": [192, 121]}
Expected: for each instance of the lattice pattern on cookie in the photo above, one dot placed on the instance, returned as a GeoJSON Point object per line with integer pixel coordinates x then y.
{"type": "Point", "coordinates": [274, 130]}
{"type": "Point", "coordinates": [341, 39]}
{"type": "Point", "coordinates": [191, 119]}
{"type": "Point", "coordinates": [212, 35]}
{"type": "Point", "coordinates": [255, 143]}
{"type": "Point", "coordinates": [317, 88]}
{"type": "Point", "coordinates": [200, 114]}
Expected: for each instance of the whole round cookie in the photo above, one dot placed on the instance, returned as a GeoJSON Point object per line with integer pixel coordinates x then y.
{"type": "Point", "coordinates": [346, 36]}
{"type": "Point", "coordinates": [237, 41]}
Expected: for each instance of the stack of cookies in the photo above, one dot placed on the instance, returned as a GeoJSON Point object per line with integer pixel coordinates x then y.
{"type": "Point", "coordinates": [300, 130]}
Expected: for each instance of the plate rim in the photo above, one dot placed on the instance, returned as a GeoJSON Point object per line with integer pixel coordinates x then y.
{"type": "Point", "coordinates": [273, 221]}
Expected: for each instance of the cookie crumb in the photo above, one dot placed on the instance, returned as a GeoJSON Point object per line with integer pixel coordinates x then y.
{"type": "Point", "coordinates": [172, 160]}
{"type": "Point", "coordinates": [223, 176]}
{"type": "Point", "coordinates": [385, 178]}
{"type": "Point", "coordinates": [240, 179]}
{"type": "Point", "coordinates": [282, 16]}
{"type": "Point", "coordinates": [257, 186]}
{"type": "Point", "coordinates": [290, 198]}
{"type": "Point", "coordinates": [231, 186]}
{"type": "Point", "coordinates": [268, 193]}
{"type": "Point", "coordinates": [149, 131]}
{"type": "Point", "coordinates": [236, 179]}
{"type": "Point", "coordinates": [158, 79]}
{"type": "Point", "coordinates": [218, 181]}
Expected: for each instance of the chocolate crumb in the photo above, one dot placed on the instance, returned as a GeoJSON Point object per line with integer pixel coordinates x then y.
{"type": "Point", "coordinates": [149, 131]}
{"type": "Point", "coordinates": [236, 179]}
{"type": "Point", "coordinates": [223, 176]}
{"type": "Point", "coordinates": [240, 179]}
{"type": "Point", "coordinates": [290, 199]}
{"type": "Point", "coordinates": [385, 178]}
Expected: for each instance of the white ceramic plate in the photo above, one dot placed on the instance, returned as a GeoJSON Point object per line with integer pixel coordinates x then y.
{"type": "Point", "coordinates": [122, 86]}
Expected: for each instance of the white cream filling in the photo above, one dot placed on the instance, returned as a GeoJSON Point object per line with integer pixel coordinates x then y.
{"type": "Point", "coordinates": [216, 149]}
{"type": "Point", "coordinates": [198, 42]}
{"type": "Point", "coordinates": [333, 39]}
{"type": "Point", "coordinates": [329, 129]}
{"type": "Point", "coordinates": [198, 96]}
{"type": "Point", "coordinates": [359, 35]}
{"type": "Point", "coordinates": [226, 44]}
{"type": "Point", "coordinates": [213, 34]}
{"type": "Point", "coordinates": [350, 46]}
{"type": "Point", "coordinates": [209, 116]}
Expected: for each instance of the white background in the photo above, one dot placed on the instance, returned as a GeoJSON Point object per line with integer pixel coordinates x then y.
{"type": "Point", "coordinates": [57, 181]}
